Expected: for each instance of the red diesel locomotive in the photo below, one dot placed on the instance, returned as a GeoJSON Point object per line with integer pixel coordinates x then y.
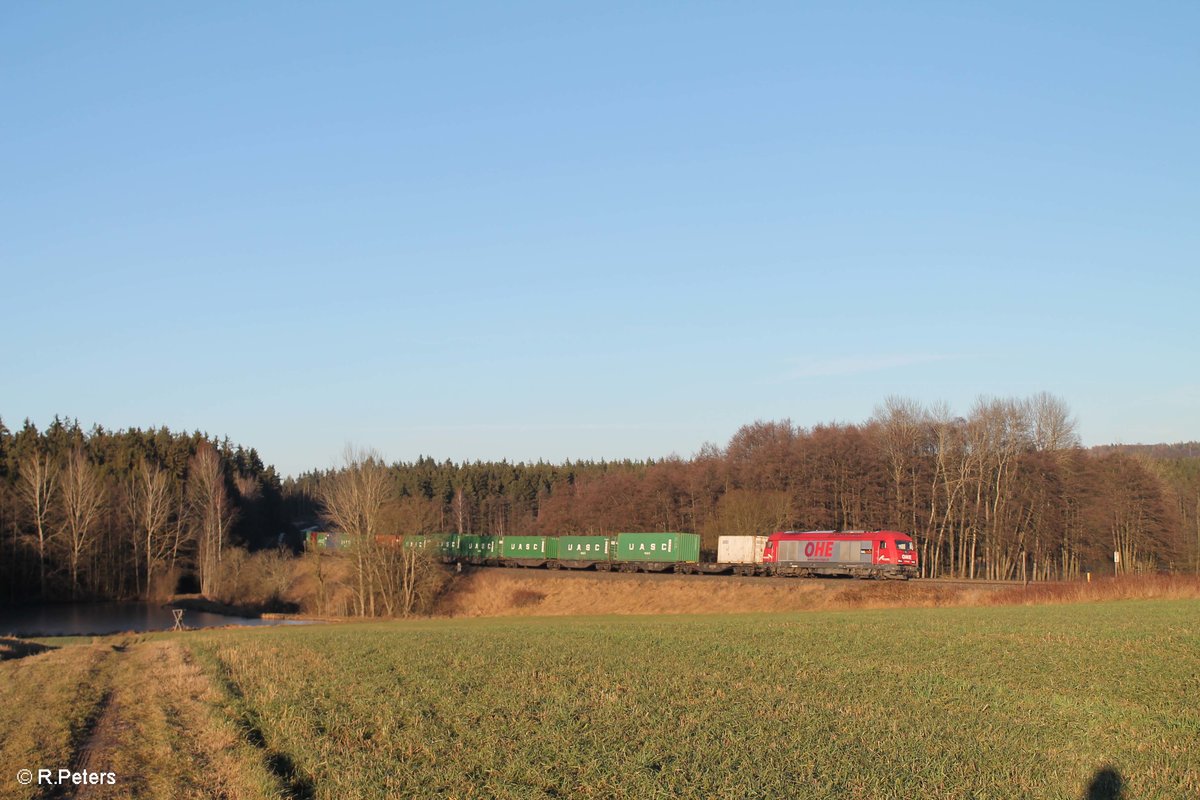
{"type": "Point", "coordinates": [865, 554]}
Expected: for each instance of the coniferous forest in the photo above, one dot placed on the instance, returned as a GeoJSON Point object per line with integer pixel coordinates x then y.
{"type": "Point", "coordinates": [100, 514]}
{"type": "Point", "coordinates": [1003, 491]}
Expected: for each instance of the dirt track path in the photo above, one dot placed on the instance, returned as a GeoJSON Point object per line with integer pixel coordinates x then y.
{"type": "Point", "coordinates": [163, 729]}
{"type": "Point", "coordinates": [141, 710]}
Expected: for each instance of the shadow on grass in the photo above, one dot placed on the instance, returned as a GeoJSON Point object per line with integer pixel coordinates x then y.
{"type": "Point", "coordinates": [294, 783]}
{"type": "Point", "coordinates": [1106, 784]}
{"type": "Point", "coordinates": [19, 648]}
{"type": "Point", "coordinates": [296, 786]}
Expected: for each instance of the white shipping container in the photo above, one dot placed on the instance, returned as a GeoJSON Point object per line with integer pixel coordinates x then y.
{"type": "Point", "coordinates": [740, 549]}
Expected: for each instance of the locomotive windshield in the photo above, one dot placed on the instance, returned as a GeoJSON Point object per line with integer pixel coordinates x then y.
{"type": "Point", "coordinates": [904, 545]}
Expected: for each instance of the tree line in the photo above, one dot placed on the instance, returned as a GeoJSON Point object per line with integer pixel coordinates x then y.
{"type": "Point", "coordinates": [103, 514]}
{"type": "Point", "coordinates": [1002, 492]}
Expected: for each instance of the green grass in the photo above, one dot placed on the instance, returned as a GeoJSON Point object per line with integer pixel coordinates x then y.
{"type": "Point", "coordinates": [957, 703]}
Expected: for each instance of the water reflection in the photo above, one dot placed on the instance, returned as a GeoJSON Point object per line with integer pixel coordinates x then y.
{"type": "Point", "coordinates": [101, 618]}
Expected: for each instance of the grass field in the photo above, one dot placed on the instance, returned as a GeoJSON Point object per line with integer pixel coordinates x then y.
{"type": "Point", "coordinates": [1027, 701]}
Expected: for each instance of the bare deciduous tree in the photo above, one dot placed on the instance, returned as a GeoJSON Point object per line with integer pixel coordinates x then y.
{"type": "Point", "coordinates": [409, 576]}
{"type": "Point", "coordinates": [998, 431]}
{"type": "Point", "coordinates": [902, 424]}
{"type": "Point", "coordinates": [212, 513]}
{"type": "Point", "coordinates": [747, 512]}
{"type": "Point", "coordinates": [148, 497]}
{"type": "Point", "coordinates": [946, 490]}
{"type": "Point", "coordinates": [37, 482]}
{"type": "Point", "coordinates": [460, 512]}
{"type": "Point", "coordinates": [1053, 425]}
{"type": "Point", "coordinates": [353, 499]}
{"type": "Point", "coordinates": [83, 496]}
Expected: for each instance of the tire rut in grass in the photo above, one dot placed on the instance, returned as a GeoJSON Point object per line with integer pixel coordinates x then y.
{"type": "Point", "coordinates": [102, 738]}
{"type": "Point", "coordinates": [96, 731]}
{"type": "Point", "coordinates": [157, 723]}
{"type": "Point", "coordinates": [192, 719]}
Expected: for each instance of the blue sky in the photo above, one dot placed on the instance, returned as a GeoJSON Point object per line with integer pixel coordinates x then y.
{"type": "Point", "coordinates": [594, 230]}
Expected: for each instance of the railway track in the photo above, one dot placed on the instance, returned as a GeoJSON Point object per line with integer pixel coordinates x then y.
{"type": "Point", "coordinates": [587, 574]}
{"type": "Point", "coordinates": [981, 584]}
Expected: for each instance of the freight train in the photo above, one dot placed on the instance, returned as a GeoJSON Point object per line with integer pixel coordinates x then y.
{"type": "Point", "coordinates": [863, 554]}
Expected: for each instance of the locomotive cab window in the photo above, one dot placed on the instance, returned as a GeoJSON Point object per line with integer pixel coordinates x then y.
{"type": "Point", "coordinates": [904, 546]}
{"type": "Point", "coordinates": [882, 544]}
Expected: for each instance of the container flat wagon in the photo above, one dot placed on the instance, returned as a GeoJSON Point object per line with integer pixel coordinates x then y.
{"type": "Point", "coordinates": [528, 551]}
{"type": "Point", "coordinates": [656, 552]}
{"type": "Point", "coordinates": [739, 555]}
{"type": "Point", "coordinates": [442, 545]}
{"type": "Point", "coordinates": [480, 550]}
{"type": "Point", "coordinates": [583, 552]}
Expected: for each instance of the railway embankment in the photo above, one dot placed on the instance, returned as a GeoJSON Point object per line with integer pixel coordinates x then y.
{"type": "Point", "coordinates": [490, 592]}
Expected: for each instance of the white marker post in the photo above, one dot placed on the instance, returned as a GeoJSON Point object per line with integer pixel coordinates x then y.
{"type": "Point", "coordinates": [1116, 561]}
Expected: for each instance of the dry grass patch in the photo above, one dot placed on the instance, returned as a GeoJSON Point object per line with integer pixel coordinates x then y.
{"type": "Point", "coordinates": [510, 592]}
{"type": "Point", "coordinates": [47, 704]}
{"type": "Point", "coordinates": [496, 592]}
{"type": "Point", "coordinates": [1148, 587]}
{"type": "Point", "coordinates": [139, 708]}
{"type": "Point", "coordinates": [166, 734]}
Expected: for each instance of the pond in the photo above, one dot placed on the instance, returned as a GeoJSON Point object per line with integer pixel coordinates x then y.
{"type": "Point", "coordinates": [101, 618]}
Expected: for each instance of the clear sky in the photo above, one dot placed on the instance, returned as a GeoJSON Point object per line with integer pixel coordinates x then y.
{"type": "Point", "coordinates": [585, 230]}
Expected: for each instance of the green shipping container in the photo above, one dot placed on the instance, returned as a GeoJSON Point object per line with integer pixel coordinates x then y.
{"type": "Point", "coordinates": [584, 548]}
{"type": "Point", "coordinates": [529, 548]}
{"type": "Point", "coordinates": [668, 547]}
{"type": "Point", "coordinates": [333, 541]}
{"type": "Point", "coordinates": [443, 545]}
{"type": "Point", "coordinates": [478, 548]}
